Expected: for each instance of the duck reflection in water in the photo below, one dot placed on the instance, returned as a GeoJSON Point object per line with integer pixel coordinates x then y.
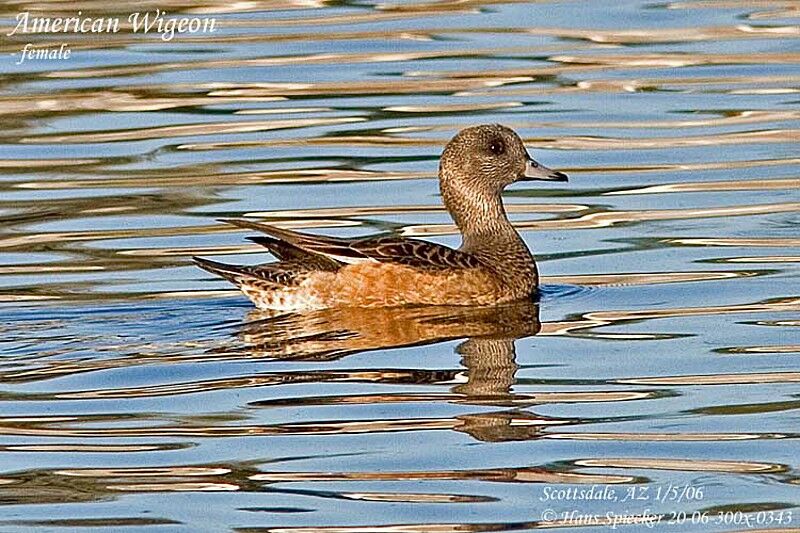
{"type": "Point", "coordinates": [487, 353]}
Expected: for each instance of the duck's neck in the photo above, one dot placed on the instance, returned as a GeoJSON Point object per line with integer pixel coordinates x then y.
{"type": "Point", "coordinates": [482, 220]}
{"type": "Point", "coordinates": [489, 235]}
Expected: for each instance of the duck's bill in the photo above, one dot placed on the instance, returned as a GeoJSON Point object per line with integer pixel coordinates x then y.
{"type": "Point", "coordinates": [535, 171]}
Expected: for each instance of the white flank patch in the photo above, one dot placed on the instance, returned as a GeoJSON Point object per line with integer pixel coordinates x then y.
{"type": "Point", "coordinates": [282, 300]}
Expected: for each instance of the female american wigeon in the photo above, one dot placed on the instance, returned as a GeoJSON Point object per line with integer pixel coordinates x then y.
{"type": "Point", "coordinates": [492, 266]}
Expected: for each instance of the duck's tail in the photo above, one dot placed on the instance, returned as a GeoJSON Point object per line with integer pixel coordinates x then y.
{"type": "Point", "coordinates": [233, 273]}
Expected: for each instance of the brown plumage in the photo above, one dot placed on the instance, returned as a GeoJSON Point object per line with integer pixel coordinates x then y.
{"type": "Point", "coordinates": [492, 266]}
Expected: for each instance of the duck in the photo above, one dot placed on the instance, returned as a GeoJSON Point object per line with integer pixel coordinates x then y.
{"type": "Point", "coordinates": [493, 265]}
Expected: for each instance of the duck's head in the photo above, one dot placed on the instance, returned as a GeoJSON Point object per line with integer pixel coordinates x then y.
{"type": "Point", "coordinates": [488, 158]}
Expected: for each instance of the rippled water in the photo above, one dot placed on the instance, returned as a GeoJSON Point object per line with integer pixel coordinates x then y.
{"type": "Point", "coordinates": [140, 393]}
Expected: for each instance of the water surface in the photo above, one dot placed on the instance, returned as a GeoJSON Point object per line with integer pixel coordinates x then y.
{"type": "Point", "coordinates": [140, 393]}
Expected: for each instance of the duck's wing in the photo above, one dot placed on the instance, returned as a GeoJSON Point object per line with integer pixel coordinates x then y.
{"type": "Point", "coordinates": [423, 255]}
{"type": "Point", "coordinates": [388, 249]}
{"type": "Point", "coordinates": [285, 251]}
{"type": "Point", "coordinates": [283, 248]}
{"type": "Point", "coordinates": [332, 248]}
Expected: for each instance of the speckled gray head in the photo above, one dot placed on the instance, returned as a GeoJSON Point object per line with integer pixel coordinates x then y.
{"type": "Point", "coordinates": [491, 155]}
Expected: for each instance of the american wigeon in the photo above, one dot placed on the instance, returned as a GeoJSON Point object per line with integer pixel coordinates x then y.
{"type": "Point", "coordinates": [492, 266]}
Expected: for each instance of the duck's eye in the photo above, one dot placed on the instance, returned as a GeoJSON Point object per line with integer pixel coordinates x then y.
{"type": "Point", "coordinates": [497, 147]}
